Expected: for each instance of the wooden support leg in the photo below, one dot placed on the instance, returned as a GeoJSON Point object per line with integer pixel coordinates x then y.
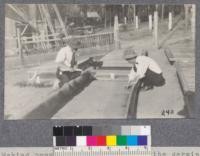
{"type": "Point", "coordinates": [20, 45]}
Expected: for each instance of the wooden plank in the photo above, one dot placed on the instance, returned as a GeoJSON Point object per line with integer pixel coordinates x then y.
{"type": "Point", "coordinates": [183, 81]}
{"type": "Point", "coordinates": [169, 55]}
{"type": "Point", "coordinates": [133, 101]}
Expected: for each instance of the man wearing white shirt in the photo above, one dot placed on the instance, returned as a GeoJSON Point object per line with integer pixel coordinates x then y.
{"type": "Point", "coordinates": [145, 69]}
{"type": "Point", "coordinates": [66, 64]}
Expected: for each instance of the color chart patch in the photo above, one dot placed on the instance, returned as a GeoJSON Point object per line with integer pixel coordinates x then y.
{"type": "Point", "coordinates": [82, 136]}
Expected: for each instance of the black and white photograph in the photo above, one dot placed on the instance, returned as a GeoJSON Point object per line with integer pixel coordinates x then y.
{"type": "Point", "coordinates": [99, 61]}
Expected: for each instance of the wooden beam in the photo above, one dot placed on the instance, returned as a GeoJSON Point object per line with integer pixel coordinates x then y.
{"type": "Point", "coordinates": [47, 16]}
{"type": "Point", "coordinates": [24, 30]}
{"type": "Point", "coordinates": [60, 19]}
{"type": "Point", "coordinates": [22, 15]}
{"type": "Point", "coordinates": [45, 11]}
{"type": "Point", "coordinates": [18, 12]}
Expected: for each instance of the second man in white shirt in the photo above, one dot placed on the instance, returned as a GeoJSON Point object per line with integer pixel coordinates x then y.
{"type": "Point", "coordinates": [145, 69]}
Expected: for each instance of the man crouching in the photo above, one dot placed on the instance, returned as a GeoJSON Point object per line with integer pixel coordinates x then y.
{"type": "Point", "coordinates": [66, 63]}
{"type": "Point", "coordinates": [145, 69]}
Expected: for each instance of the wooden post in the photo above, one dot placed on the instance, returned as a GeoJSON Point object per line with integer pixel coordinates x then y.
{"type": "Point", "coordinates": [156, 28]}
{"type": "Point", "coordinates": [123, 11]}
{"type": "Point", "coordinates": [150, 22]}
{"type": "Point", "coordinates": [110, 17]}
{"type": "Point", "coordinates": [193, 21]}
{"type": "Point", "coordinates": [157, 7]}
{"type": "Point", "coordinates": [136, 22]}
{"type": "Point", "coordinates": [186, 16]}
{"type": "Point", "coordinates": [163, 11]}
{"type": "Point", "coordinates": [170, 21]}
{"type": "Point", "coordinates": [125, 20]}
{"type": "Point", "coordinates": [105, 18]}
{"type": "Point", "coordinates": [116, 32]}
{"type": "Point", "coordinates": [21, 57]}
{"type": "Point", "coordinates": [134, 13]}
{"type": "Point", "coordinates": [128, 14]}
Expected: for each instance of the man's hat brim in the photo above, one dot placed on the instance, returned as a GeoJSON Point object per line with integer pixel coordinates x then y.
{"type": "Point", "coordinates": [130, 54]}
{"type": "Point", "coordinates": [131, 57]}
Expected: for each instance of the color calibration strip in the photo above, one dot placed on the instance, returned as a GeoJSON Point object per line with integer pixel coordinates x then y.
{"type": "Point", "coordinates": [97, 136]}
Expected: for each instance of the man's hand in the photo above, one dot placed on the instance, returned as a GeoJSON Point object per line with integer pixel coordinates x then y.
{"type": "Point", "coordinates": [131, 83]}
{"type": "Point", "coordinates": [77, 69]}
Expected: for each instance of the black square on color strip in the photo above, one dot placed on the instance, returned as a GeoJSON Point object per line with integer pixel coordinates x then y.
{"type": "Point", "coordinates": [69, 131]}
{"type": "Point", "coordinates": [60, 141]}
{"type": "Point", "coordinates": [87, 130]}
{"type": "Point", "coordinates": [57, 131]}
{"type": "Point", "coordinates": [70, 140]}
{"type": "Point", "coordinates": [78, 131]}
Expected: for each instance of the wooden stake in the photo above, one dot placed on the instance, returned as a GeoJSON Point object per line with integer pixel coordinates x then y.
{"type": "Point", "coordinates": [105, 18]}
{"type": "Point", "coordinates": [125, 20]}
{"type": "Point", "coordinates": [136, 22]}
{"type": "Point", "coordinates": [116, 32]}
{"type": "Point", "coordinates": [156, 28]}
{"type": "Point", "coordinates": [170, 21]}
{"type": "Point", "coordinates": [134, 12]}
{"type": "Point", "coordinates": [150, 22]}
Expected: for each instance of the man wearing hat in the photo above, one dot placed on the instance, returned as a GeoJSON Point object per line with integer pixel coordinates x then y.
{"type": "Point", "coordinates": [66, 63]}
{"type": "Point", "coordinates": [145, 69]}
